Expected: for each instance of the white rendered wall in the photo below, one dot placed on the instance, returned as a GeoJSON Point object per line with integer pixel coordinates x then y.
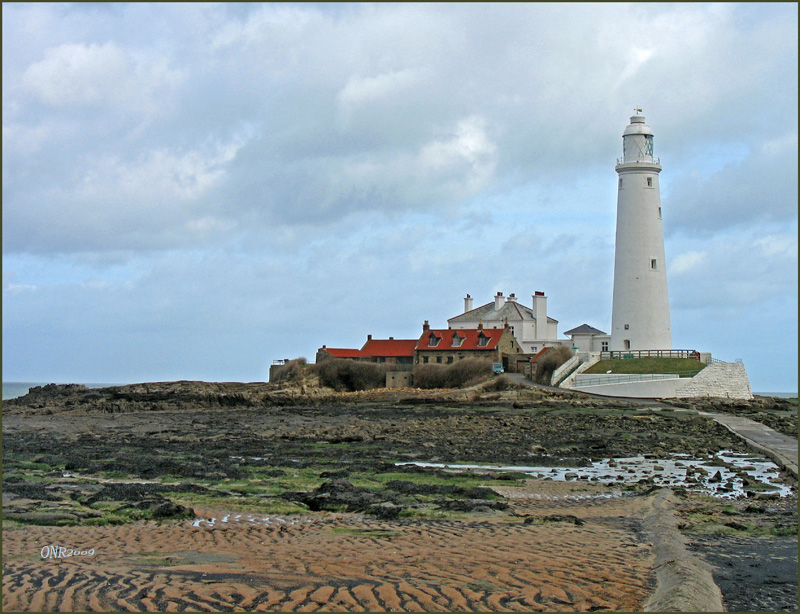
{"type": "Point", "coordinates": [640, 312]}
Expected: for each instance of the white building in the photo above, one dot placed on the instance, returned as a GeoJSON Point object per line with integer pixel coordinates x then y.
{"type": "Point", "coordinates": [531, 326]}
{"type": "Point", "coordinates": [587, 339]}
{"type": "Point", "coordinates": [640, 313]}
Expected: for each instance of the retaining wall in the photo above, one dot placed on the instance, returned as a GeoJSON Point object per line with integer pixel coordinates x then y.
{"type": "Point", "coordinates": [727, 380]}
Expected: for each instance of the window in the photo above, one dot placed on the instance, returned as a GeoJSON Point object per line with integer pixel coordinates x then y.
{"type": "Point", "coordinates": [439, 359]}
{"type": "Point", "coordinates": [627, 344]}
{"type": "Point", "coordinates": [511, 328]}
{"type": "Point", "coordinates": [659, 213]}
{"type": "Point", "coordinates": [483, 340]}
{"type": "Point", "coordinates": [449, 360]}
{"type": "Point", "coordinates": [433, 340]}
{"type": "Point", "coordinates": [653, 264]}
{"type": "Point", "coordinates": [425, 360]}
{"type": "Point", "coordinates": [604, 346]}
{"type": "Point", "coordinates": [620, 183]}
{"type": "Point", "coordinates": [457, 340]}
{"type": "Point", "coordinates": [649, 182]}
{"type": "Point", "coordinates": [627, 327]}
{"type": "Point", "coordinates": [648, 145]}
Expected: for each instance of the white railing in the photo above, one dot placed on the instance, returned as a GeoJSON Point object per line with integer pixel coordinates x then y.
{"type": "Point", "coordinates": [622, 378]}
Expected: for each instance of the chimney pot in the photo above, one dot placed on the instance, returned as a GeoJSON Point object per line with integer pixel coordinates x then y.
{"type": "Point", "coordinates": [369, 337]}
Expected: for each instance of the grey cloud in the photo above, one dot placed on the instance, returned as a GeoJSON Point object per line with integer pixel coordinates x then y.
{"type": "Point", "coordinates": [352, 109]}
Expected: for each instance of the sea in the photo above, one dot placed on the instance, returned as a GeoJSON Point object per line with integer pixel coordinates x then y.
{"type": "Point", "coordinates": [12, 390]}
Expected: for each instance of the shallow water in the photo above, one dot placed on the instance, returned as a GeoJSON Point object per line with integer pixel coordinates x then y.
{"type": "Point", "coordinates": [721, 475]}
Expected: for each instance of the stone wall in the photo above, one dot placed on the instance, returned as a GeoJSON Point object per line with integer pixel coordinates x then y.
{"type": "Point", "coordinates": [727, 380]}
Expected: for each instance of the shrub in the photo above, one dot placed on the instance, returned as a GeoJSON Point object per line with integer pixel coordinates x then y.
{"type": "Point", "coordinates": [292, 371]}
{"type": "Point", "coordinates": [468, 372]}
{"type": "Point", "coordinates": [458, 375]}
{"type": "Point", "coordinates": [343, 374]}
{"type": "Point", "coordinates": [430, 376]}
{"type": "Point", "coordinates": [547, 364]}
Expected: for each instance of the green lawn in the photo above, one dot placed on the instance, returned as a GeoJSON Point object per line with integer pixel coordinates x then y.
{"type": "Point", "coordinates": [686, 367]}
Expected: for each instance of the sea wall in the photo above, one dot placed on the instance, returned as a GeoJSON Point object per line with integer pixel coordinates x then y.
{"type": "Point", "coordinates": [727, 380]}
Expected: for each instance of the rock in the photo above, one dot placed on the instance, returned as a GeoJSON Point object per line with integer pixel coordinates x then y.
{"type": "Point", "coordinates": [43, 517]}
{"type": "Point", "coordinates": [554, 518]}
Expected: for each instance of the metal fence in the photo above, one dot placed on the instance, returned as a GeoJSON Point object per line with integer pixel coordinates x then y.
{"type": "Point", "coordinates": [625, 354]}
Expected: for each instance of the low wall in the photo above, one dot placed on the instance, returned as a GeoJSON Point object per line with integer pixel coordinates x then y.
{"type": "Point", "coordinates": [727, 380]}
{"type": "Point", "coordinates": [652, 389]}
{"type": "Point", "coordinates": [568, 366]}
{"type": "Point", "coordinates": [569, 381]}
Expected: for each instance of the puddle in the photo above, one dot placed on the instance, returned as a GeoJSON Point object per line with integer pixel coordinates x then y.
{"type": "Point", "coordinates": [258, 519]}
{"type": "Point", "coordinates": [722, 475]}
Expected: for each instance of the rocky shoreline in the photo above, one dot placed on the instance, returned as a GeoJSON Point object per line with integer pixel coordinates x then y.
{"type": "Point", "coordinates": [78, 459]}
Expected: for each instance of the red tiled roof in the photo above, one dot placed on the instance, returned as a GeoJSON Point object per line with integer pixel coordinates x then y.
{"type": "Point", "coordinates": [470, 336]}
{"type": "Point", "coordinates": [540, 354]}
{"type": "Point", "coordinates": [344, 352]}
{"type": "Point", "coordinates": [389, 347]}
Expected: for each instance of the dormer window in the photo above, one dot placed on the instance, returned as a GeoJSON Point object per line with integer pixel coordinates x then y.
{"type": "Point", "coordinates": [483, 340]}
{"type": "Point", "coordinates": [457, 340]}
{"type": "Point", "coordinates": [433, 340]}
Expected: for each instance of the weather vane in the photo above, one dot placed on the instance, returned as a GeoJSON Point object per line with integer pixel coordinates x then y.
{"type": "Point", "coordinates": [638, 111]}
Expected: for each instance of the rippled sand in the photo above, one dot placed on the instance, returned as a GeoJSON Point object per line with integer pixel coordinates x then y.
{"type": "Point", "coordinates": [348, 563]}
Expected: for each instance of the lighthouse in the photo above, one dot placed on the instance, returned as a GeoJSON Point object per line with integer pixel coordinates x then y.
{"type": "Point", "coordinates": [640, 312]}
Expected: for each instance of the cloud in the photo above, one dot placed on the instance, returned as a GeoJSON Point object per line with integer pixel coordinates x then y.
{"type": "Point", "coordinates": [81, 74]}
{"type": "Point", "coordinates": [293, 159]}
{"type": "Point", "coordinates": [685, 262]}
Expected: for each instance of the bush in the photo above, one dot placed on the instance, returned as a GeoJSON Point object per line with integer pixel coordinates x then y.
{"type": "Point", "coordinates": [458, 375]}
{"type": "Point", "coordinates": [430, 376]}
{"type": "Point", "coordinates": [346, 375]}
{"type": "Point", "coordinates": [547, 364]}
{"type": "Point", "coordinates": [292, 371]}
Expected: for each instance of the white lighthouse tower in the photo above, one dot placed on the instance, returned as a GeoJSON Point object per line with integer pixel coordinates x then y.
{"type": "Point", "coordinates": [640, 313]}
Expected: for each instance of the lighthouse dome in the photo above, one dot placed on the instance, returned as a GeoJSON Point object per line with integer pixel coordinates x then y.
{"type": "Point", "coordinates": [637, 126]}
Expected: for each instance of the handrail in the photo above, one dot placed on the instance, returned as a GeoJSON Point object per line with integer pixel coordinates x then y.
{"type": "Point", "coordinates": [622, 378]}
{"type": "Point", "coordinates": [622, 354]}
{"type": "Point", "coordinates": [653, 160]}
{"type": "Point", "coordinates": [586, 379]}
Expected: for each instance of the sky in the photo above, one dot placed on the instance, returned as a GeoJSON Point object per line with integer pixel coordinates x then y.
{"type": "Point", "coordinates": [191, 191]}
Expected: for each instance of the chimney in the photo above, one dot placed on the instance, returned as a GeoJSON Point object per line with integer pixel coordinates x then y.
{"type": "Point", "coordinates": [480, 325]}
{"type": "Point", "coordinates": [391, 338]}
{"type": "Point", "coordinates": [499, 301]}
{"type": "Point", "coordinates": [540, 314]}
{"type": "Point", "coordinates": [369, 337]}
{"type": "Point", "coordinates": [467, 303]}
{"type": "Point", "coordinates": [425, 326]}
{"type": "Point", "coordinates": [512, 298]}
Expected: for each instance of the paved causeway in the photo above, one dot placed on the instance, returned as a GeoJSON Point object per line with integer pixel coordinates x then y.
{"type": "Point", "coordinates": [779, 447]}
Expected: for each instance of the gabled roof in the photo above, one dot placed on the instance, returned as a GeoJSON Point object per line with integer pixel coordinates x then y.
{"type": "Point", "coordinates": [584, 329]}
{"type": "Point", "coordinates": [540, 353]}
{"type": "Point", "coordinates": [511, 311]}
{"type": "Point", "coordinates": [389, 347]}
{"type": "Point", "coordinates": [343, 352]}
{"type": "Point", "coordinates": [470, 338]}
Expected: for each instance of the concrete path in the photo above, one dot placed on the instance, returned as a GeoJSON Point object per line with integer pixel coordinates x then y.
{"type": "Point", "coordinates": [777, 446]}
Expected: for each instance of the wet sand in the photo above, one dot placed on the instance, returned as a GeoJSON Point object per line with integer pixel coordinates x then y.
{"type": "Point", "coordinates": [335, 562]}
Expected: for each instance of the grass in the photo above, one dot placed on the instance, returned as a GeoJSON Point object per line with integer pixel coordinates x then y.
{"type": "Point", "coordinates": [686, 367]}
